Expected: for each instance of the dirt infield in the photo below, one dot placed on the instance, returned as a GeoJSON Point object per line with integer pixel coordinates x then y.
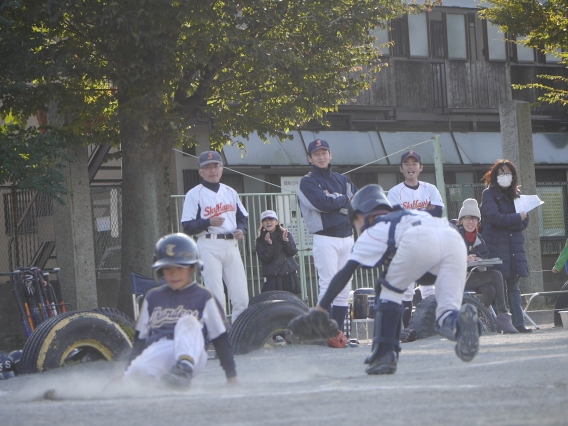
{"type": "Point", "coordinates": [515, 380]}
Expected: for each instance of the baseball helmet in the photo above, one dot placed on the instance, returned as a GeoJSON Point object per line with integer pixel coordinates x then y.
{"type": "Point", "coordinates": [16, 357]}
{"type": "Point", "coordinates": [6, 366]}
{"type": "Point", "coordinates": [369, 199]}
{"type": "Point", "coordinates": [174, 250]}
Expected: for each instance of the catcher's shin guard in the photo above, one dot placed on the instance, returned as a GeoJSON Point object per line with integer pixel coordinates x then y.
{"type": "Point", "coordinates": [386, 336]}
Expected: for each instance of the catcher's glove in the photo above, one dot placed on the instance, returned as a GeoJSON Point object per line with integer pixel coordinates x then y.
{"type": "Point", "coordinates": [315, 325]}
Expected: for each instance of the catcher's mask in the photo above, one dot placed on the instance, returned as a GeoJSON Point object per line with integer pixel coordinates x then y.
{"type": "Point", "coordinates": [175, 250]}
{"type": "Point", "coordinates": [369, 199]}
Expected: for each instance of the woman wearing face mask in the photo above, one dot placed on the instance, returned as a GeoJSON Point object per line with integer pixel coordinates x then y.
{"type": "Point", "coordinates": [276, 248]}
{"type": "Point", "coordinates": [487, 282]}
{"type": "Point", "coordinates": [503, 232]}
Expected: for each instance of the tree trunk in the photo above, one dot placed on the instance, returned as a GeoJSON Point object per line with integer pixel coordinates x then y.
{"type": "Point", "coordinates": [146, 193]}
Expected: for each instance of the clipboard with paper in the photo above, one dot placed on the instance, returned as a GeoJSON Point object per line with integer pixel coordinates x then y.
{"type": "Point", "coordinates": [526, 203]}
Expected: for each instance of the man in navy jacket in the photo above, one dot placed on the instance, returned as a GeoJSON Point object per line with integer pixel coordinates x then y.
{"type": "Point", "coordinates": [324, 196]}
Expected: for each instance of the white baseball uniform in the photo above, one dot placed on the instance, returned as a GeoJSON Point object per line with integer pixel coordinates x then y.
{"type": "Point", "coordinates": [418, 198]}
{"type": "Point", "coordinates": [218, 249]}
{"type": "Point", "coordinates": [173, 324]}
{"type": "Point", "coordinates": [424, 244]}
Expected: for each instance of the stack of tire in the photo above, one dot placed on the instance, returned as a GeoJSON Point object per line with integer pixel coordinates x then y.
{"type": "Point", "coordinates": [265, 320]}
{"type": "Point", "coordinates": [424, 316]}
{"type": "Point", "coordinates": [77, 336]}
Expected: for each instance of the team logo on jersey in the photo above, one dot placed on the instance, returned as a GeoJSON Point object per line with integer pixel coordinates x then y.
{"type": "Point", "coordinates": [219, 208]}
{"type": "Point", "coordinates": [161, 316]}
{"type": "Point", "coordinates": [415, 205]}
{"type": "Point", "coordinates": [170, 249]}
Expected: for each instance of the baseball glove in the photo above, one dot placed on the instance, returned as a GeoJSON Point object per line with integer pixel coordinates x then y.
{"type": "Point", "coordinates": [315, 325]}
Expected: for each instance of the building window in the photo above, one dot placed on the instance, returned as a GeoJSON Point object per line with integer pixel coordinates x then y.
{"type": "Point", "coordinates": [418, 35]}
{"type": "Point", "coordinates": [381, 36]}
{"type": "Point", "coordinates": [457, 43]}
{"type": "Point", "coordinates": [496, 47]}
{"type": "Point", "coordinates": [399, 37]}
{"type": "Point", "coordinates": [524, 53]}
{"type": "Point", "coordinates": [437, 39]}
{"type": "Point", "coordinates": [191, 178]}
{"type": "Point", "coordinates": [553, 58]}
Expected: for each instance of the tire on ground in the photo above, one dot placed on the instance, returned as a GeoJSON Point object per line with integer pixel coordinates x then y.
{"type": "Point", "coordinates": [424, 316]}
{"type": "Point", "coordinates": [561, 305]}
{"type": "Point", "coordinates": [119, 317]}
{"type": "Point", "coordinates": [257, 324]}
{"type": "Point", "coordinates": [55, 339]}
{"type": "Point", "coordinates": [274, 295]}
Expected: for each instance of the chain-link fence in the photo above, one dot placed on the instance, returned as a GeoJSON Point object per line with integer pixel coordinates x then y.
{"type": "Point", "coordinates": [107, 225]}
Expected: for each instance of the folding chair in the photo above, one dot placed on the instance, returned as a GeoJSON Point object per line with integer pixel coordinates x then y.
{"type": "Point", "coordinates": [140, 284]}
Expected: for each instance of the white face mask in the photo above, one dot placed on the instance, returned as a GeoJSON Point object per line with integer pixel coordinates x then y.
{"type": "Point", "coordinates": [505, 181]}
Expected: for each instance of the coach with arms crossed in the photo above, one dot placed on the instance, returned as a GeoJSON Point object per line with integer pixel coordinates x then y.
{"type": "Point", "coordinates": [324, 196]}
{"type": "Point", "coordinates": [214, 213]}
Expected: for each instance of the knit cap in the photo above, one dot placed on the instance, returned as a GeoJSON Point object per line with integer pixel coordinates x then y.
{"type": "Point", "coordinates": [470, 208]}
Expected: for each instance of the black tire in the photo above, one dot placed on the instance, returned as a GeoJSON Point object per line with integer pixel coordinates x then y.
{"type": "Point", "coordinates": [424, 316]}
{"type": "Point", "coordinates": [94, 335]}
{"type": "Point", "coordinates": [561, 305]}
{"type": "Point", "coordinates": [259, 323]}
{"type": "Point", "coordinates": [274, 295]}
{"type": "Point", "coordinates": [119, 317]}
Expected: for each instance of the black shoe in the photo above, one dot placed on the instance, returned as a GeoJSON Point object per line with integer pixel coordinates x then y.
{"type": "Point", "coordinates": [467, 336]}
{"type": "Point", "coordinates": [524, 329]}
{"type": "Point", "coordinates": [385, 364]}
{"type": "Point", "coordinates": [179, 376]}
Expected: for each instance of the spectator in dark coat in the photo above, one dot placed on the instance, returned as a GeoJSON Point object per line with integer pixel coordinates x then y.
{"type": "Point", "coordinates": [503, 230]}
{"type": "Point", "coordinates": [275, 247]}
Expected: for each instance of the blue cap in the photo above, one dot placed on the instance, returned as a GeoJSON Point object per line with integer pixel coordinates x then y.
{"type": "Point", "coordinates": [317, 144]}
{"type": "Point", "coordinates": [209, 157]}
{"type": "Point", "coordinates": [410, 154]}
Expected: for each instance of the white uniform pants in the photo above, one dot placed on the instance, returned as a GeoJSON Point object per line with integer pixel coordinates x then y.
{"type": "Point", "coordinates": [438, 250]}
{"type": "Point", "coordinates": [158, 358]}
{"type": "Point", "coordinates": [425, 291]}
{"type": "Point", "coordinates": [222, 262]}
{"type": "Point", "coordinates": [330, 255]}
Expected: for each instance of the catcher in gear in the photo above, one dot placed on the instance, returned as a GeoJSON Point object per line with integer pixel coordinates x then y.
{"type": "Point", "coordinates": [409, 245]}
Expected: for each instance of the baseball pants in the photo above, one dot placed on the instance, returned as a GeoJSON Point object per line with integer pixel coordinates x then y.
{"type": "Point", "coordinates": [438, 250]}
{"type": "Point", "coordinates": [425, 291]}
{"type": "Point", "coordinates": [158, 358]}
{"type": "Point", "coordinates": [330, 255]}
{"type": "Point", "coordinates": [222, 262]}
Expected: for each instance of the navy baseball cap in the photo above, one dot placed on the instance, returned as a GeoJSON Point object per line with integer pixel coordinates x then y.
{"type": "Point", "coordinates": [410, 154]}
{"type": "Point", "coordinates": [317, 144]}
{"type": "Point", "coordinates": [209, 157]}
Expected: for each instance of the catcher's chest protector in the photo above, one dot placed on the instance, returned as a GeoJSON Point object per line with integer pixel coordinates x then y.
{"type": "Point", "coordinates": [394, 218]}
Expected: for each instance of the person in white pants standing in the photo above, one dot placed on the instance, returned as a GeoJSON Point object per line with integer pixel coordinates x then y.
{"type": "Point", "coordinates": [413, 194]}
{"type": "Point", "coordinates": [214, 213]}
{"type": "Point", "coordinates": [324, 196]}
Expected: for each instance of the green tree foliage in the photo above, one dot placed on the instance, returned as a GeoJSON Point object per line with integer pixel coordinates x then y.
{"type": "Point", "coordinates": [544, 24]}
{"type": "Point", "coordinates": [32, 160]}
{"type": "Point", "coordinates": [143, 73]}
